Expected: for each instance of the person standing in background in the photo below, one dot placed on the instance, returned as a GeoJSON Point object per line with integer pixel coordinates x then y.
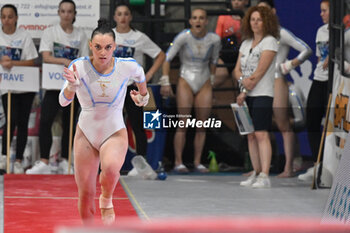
{"type": "Point", "coordinates": [60, 44]}
{"type": "Point", "coordinates": [255, 72]}
{"type": "Point", "coordinates": [16, 49]}
{"type": "Point", "coordinates": [318, 95]}
{"type": "Point", "coordinates": [228, 27]}
{"type": "Point", "coordinates": [133, 43]}
{"type": "Point", "coordinates": [281, 92]}
{"type": "Point", "coordinates": [199, 51]}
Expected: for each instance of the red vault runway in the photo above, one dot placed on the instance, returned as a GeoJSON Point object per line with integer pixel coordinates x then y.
{"type": "Point", "coordinates": [39, 203]}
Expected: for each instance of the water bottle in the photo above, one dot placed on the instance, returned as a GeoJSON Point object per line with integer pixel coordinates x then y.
{"type": "Point", "coordinates": [143, 168]}
{"type": "Point", "coordinates": [213, 165]}
{"type": "Point", "coordinates": [161, 172]}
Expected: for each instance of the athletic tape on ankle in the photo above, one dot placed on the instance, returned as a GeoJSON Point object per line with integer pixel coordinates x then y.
{"type": "Point", "coordinates": [105, 203]}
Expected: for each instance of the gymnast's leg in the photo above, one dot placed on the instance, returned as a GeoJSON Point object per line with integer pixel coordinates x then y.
{"type": "Point", "coordinates": [86, 162]}
{"type": "Point", "coordinates": [112, 155]}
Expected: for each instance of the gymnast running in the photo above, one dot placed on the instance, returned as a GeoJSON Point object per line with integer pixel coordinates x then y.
{"type": "Point", "coordinates": [100, 83]}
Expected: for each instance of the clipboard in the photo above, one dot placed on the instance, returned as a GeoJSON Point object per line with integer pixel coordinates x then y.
{"type": "Point", "coordinates": [242, 117]}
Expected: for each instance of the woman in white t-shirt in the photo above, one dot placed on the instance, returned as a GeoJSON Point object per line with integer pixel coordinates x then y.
{"type": "Point", "coordinates": [60, 44]}
{"type": "Point", "coordinates": [16, 49]}
{"type": "Point", "coordinates": [318, 95]}
{"type": "Point", "coordinates": [133, 43]}
{"type": "Point", "coordinates": [255, 72]}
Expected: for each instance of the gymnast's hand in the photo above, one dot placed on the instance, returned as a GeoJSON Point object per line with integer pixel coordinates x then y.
{"type": "Point", "coordinates": [138, 99]}
{"type": "Point", "coordinates": [72, 77]}
{"type": "Point", "coordinates": [165, 89]}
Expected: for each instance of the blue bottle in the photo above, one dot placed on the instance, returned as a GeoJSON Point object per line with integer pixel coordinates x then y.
{"type": "Point", "coordinates": [161, 172]}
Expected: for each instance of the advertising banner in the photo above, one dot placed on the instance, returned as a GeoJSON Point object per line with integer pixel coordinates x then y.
{"type": "Point", "coordinates": [337, 128]}
{"type": "Point", "coordinates": [35, 16]}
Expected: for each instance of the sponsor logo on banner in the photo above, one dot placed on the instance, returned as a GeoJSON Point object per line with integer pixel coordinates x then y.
{"type": "Point", "coordinates": [20, 78]}
{"type": "Point", "coordinates": [34, 27]}
{"type": "Point", "coordinates": [157, 120]}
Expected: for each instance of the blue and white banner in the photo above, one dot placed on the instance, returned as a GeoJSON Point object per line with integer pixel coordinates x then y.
{"type": "Point", "coordinates": [36, 15]}
{"type": "Point", "coordinates": [52, 76]}
{"type": "Point", "coordinates": [338, 205]}
{"type": "Point", "coordinates": [19, 78]}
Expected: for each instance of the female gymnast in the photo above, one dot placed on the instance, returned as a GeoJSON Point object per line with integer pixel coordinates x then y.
{"type": "Point", "coordinates": [100, 83]}
{"type": "Point", "coordinates": [199, 52]}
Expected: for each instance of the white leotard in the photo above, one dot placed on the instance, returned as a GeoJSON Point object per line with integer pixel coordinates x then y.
{"type": "Point", "coordinates": [102, 96]}
{"type": "Point", "coordinates": [287, 40]}
{"type": "Point", "coordinates": [195, 55]}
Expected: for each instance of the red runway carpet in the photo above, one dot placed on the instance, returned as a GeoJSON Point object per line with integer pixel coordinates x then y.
{"type": "Point", "coordinates": [39, 203]}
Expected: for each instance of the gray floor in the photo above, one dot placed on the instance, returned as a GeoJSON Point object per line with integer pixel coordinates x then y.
{"type": "Point", "coordinates": [221, 195]}
{"type": "Point", "coordinates": [216, 195]}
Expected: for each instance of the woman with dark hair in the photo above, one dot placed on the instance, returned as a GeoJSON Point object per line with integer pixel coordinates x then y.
{"type": "Point", "coordinates": [255, 72]}
{"type": "Point", "coordinates": [133, 43]}
{"type": "Point", "coordinates": [60, 44]}
{"type": "Point", "coordinates": [16, 49]}
{"type": "Point", "coordinates": [100, 83]}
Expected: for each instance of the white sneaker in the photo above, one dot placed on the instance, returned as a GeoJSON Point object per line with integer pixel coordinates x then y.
{"type": "Point", "coordinates": [3, 162]}
{"type": "Point", "coordinates": [63, 167]}
{"type": "Point", "coordinates": [17, 168]}
{"type": "Point", "coordinates": [309, 174]}
{"type": "Point", "coordinates": [249, 181]}
{"type": "Point", "coordinates": [262, 181]}
{"type": "Point", "coordinates": [143, 168]}
{"type": "Point", "coordinates": [133, 172]}
{"type": "Point", "coordinates": [39, 168]}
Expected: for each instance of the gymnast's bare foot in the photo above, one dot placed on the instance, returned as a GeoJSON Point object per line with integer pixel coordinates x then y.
{"type": "Point", "coordinates": [248, 173]}
{"type": "Point", "coordinates": [286, 174]}
{"type": "Point", "coordinates": [107, 211]}
{"type": "Point", "coordinates": [107, 216]}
